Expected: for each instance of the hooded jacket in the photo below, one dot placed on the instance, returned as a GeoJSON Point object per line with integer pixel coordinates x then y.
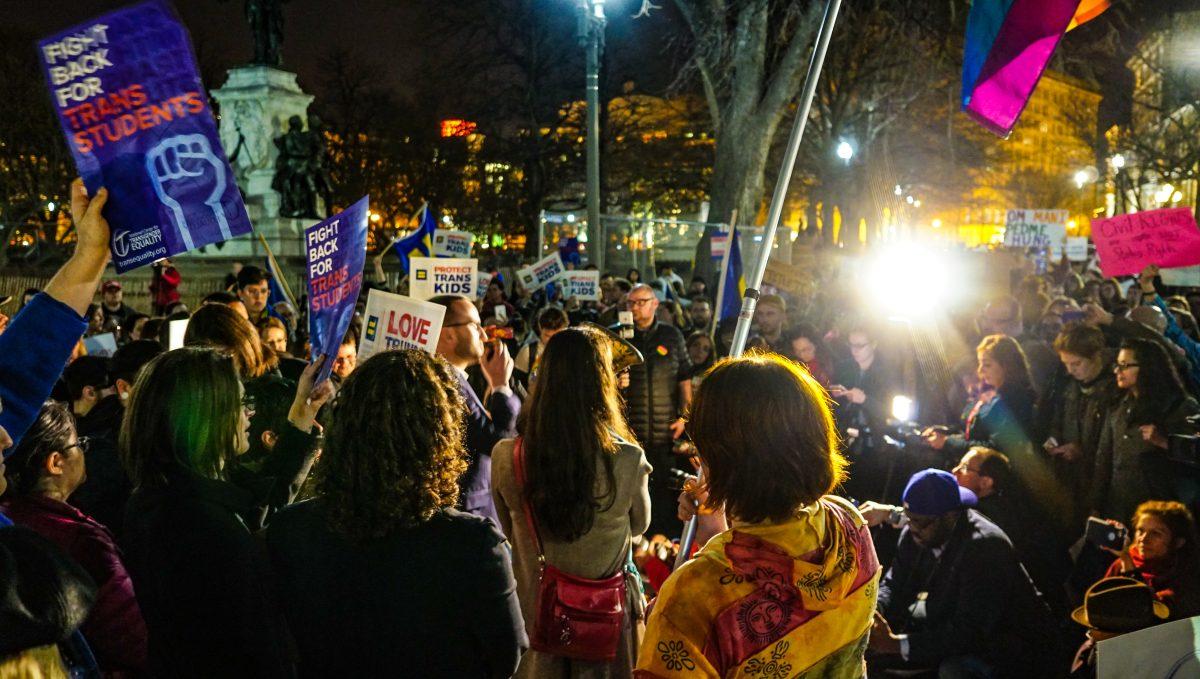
{"type": "Point", "coordinates": [770, 599]}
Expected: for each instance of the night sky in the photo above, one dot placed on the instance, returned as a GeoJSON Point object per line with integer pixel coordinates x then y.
{"type": "Point", "coordinates": [391, 33]}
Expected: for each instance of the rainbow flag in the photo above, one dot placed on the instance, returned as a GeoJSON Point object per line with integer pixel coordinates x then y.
{"type": "Point", "coordinates": [1008, 45]}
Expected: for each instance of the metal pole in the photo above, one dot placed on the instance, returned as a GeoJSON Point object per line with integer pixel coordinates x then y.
{"type": "Point", "coordinates": [594, 38]}
{"type": "Point", "coordinates": [742, 331]}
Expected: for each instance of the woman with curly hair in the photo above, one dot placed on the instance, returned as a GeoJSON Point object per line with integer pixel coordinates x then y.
{"type": "Point", "coordinates": [379, 574]}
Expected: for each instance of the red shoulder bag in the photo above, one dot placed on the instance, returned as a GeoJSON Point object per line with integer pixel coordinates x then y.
{"type": "Point", "coordinates": [575, 617]}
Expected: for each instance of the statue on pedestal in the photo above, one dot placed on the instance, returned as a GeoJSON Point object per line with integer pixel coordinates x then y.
{"type": "Point", "coordinates": [295, 179]}
{"type": "Point", "coordinates": [266, 26]}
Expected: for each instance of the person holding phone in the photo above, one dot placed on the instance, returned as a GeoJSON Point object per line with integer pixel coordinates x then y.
{"type": "Point", "coordinates": [463, 344]}
{"type": "Point", "coordinates": [1163, 552]}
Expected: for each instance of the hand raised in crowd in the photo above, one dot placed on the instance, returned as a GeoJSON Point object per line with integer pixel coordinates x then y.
{"type": "Point", "coordinates": [91, 229]}
{"type": "Point", "coordinates": [1094, 314]}
{"type": "Point", "coordinates": [497, 365]}
{"type": "Point", "coordinates": [935, 437]}
{"type": "Point", "coordinates": [678, 427]}
{"type": "Point", "coordinates": [75, 283]}
{"type": "Point", "coordinates": [882, 640]}
{"type": "Point", "coordinates": [1152, 435]}
{"type": "Point", "coordinates": [309, 399]}
{"type": "Point", "coordinates": [1146, 278]}
{"type": "Point", "coordinates": [876, 513]}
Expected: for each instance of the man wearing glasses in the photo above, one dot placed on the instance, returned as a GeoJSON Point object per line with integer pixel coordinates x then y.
{"type": "Point", "coordinates": [464, 344]}
{"type": "Point", "coordinates": [659, 391]}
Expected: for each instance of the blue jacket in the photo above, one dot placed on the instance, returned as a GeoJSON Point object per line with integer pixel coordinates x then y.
{"type": "Point", "coordinates": [485, 427]}
{"type": "Point", "coordinates": [33, 352]}
{"type": "Point", "coordinates": [1190, 347]}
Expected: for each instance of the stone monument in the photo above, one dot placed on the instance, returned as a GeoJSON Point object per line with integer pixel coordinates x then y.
{"type": "Point", "coordinates": [256, 102]}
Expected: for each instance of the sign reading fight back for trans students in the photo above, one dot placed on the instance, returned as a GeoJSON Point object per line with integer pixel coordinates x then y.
{"type": "Point", "coordinates": [399, 322]}
{"type": "Point", "coordinates": [1035, 229]}
{"type": "Point", "coordinates": [449, 243]}
{"type": "Point", "coordinates": [428, 277]}
{"type": "Point", "coordinates": [582, 285]}
{"type": "Point", "coordinates": [136, 118]}
{"type": "Point", "coordinates": [336, 250]}
{"type": "Point", "coordinates": [1125, 244]}
{"type": "Point", "coordinates": [543, 271]}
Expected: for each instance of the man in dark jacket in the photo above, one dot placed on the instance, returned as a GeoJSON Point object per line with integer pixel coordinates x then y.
{"type": "Point", "coordinates": [463, 344]}
{"type": "Point", "coordinates": [659, 391]}
{"type": "Point", "coordinates": [956, 598]}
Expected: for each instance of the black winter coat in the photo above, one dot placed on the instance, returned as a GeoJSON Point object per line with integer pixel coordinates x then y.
{"type": "Point", "coordinates": [652, 399]}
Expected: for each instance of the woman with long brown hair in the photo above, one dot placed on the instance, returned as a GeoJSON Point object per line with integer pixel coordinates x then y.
{"type": "Point", "coordinates": [586, 485]}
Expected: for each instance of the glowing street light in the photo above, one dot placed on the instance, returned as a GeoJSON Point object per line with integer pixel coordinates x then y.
{"type": "Point", "coordinates": [1118, 161]}
{"type": "Point", "coordinates": [50, 206]}
{"type": "Point", "coordinates": [845, 151]}
{"type": "Point", "coordinates": [1080, 178]}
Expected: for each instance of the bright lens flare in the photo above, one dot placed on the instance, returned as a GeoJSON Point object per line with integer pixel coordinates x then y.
{"type": "Point", "coordinates": [909, 280]}
{"type": "Point", "coordinates": [902, 408]}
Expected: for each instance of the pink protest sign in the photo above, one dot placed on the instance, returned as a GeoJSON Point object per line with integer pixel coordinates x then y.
{"type": "Point", "coordinates": [1127, 243]}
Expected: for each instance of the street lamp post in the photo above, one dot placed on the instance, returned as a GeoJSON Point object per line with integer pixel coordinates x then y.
{"type": "Point", "coordinates": [591, 37]}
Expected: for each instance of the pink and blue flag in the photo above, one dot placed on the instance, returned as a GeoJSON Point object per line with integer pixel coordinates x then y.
{"type": "Point", "coordinates": [1008, 46]}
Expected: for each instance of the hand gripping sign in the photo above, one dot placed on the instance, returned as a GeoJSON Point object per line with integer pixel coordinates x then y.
{"type": "Point", "coordinates": [136, 118]}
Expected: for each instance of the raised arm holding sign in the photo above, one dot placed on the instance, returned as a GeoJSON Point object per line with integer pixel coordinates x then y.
{"type": "Point", "coordinates": [136, 117]}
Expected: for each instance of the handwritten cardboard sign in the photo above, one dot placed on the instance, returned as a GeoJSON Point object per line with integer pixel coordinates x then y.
{"type": "Point", "coordinates": [545, 270]}
{"type": "Point", "coordinates": [1035, 229]}
{"type": "Point", "coordinates": [429, 277]}
{"type": "Point", "coordinates": [398, 322]}
{"type": "Point", "coordinates": [136, 118]}
{"type": "Point", "coordinates": [1168, 237]}
{"type": "Point", "coordinates": [582, 285]}
{"type": "Point", "coordinates": [335, 250]}
{"type": "Point", "coordinates": [451, 243]}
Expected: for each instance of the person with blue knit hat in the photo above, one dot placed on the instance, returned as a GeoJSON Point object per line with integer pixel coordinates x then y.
{"type": "Point", "coordinates": [956, 599]}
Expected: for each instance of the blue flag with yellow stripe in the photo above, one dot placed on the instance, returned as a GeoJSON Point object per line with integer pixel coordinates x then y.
{"type": "Point", "coordinates": [419, 241]}
{"type": "Point", "coordinates": [733, 283]}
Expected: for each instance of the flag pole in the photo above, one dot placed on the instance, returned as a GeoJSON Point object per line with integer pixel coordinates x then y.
{"type": "Point", "coordinates": [287, 289]}
{"type": "Point", "coordinates": [742, 331]}
{"type": "Point", "coordinates": [720, 301]}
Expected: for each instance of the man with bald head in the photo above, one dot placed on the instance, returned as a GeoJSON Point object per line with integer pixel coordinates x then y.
{"type": "Point", "coordinates": [463, 344]}
{"type": "Point", "coordinates": [659, 392]}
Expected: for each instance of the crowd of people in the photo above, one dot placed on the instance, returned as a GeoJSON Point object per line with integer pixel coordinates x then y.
{"type": "Point", "coordinates": [513, 505]}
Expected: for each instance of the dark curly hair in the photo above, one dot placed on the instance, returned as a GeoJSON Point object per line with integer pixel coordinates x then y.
{"type": "Point", "coordinates": [394, 450]}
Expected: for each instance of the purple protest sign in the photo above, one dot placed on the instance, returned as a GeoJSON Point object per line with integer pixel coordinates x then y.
{"type": "Point", "coordinates": [129, 98]}
{"type": "Point", "coordinates": [336, 250]}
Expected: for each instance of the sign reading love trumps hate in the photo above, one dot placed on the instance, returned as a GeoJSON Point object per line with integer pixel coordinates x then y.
{"type": "Point", "coordinates": [1167, 238]}
{"type": "Point", "coordinates": [129, 99]}
{"type": "Point", "coordinates": [429, 277]}
{"type": "Point", "coordinates": [335, 250]}
{"type": "Point", "coordinates": [399, 322]}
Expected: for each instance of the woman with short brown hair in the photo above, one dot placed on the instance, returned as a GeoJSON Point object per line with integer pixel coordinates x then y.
{"type": "Point", "coordinates": [791, 584]}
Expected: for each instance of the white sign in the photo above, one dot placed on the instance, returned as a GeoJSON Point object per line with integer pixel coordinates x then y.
{"type": "Point", "coordinates": [1077, 248]}
{"type": "Point", "coordinates": [398, 322]}
{"type": "Point", "coordinates": [450, 243]}
{"type": "Point", "coordinates": [544, 271]}
{"type": "Point", "coordinates": [175, 332]}
{"type": "Point", "coordinates": [1185, 277]}
{"type": "Point", "coordinates": [100, 345]}
{"type": "Point", "coordinates": [583, 285]}
{"type": "Point", "coordinates": [485, 279]}
{"type": "Point", "coordinates": [1168, 650]}
{"type": "Point", "coordinates": [429, 277]}
{"type": "Point", "coordinates": [1035, 228]}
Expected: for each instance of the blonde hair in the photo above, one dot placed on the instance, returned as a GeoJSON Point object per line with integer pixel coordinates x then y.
{"type": "Point", "coordinates": [41, 662]}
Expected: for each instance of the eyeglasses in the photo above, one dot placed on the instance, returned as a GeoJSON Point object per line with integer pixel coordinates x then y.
{"type": "Point", "coordinates": [962, 467]}
{"type": "Point", "coordinates": [859, 347]}
{"type": "Point", "coordinates": [84, 444]}
{"type": "Point", "coordinates": [248, 402]}
{"type": "Point", "coordinates": [640, 302]}
{"type": "Point", "coordinates": [478, 324]}
{"type": "Point", "coordinates": [1124, 366]}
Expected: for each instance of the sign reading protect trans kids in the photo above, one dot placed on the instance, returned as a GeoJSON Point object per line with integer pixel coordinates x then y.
{"type": "Point", "coordinates": [136, 118]}
{"type": "Point", "coordinates": [429, 277]}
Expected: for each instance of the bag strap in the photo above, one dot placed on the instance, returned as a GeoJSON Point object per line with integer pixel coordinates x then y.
{"type": "Point", "coordinates": [519, 468]}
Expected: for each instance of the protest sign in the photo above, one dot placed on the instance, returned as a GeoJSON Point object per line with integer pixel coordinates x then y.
{"type": "Point", "coordinates": [428, 277]}
{"type": "Point", "coordinates": [582, 285]}
{"type": "Point", "coordinates": [484, 279]}
{"type": "Point", "coordinates": [1035, 229]}
{"type": "Point", "coordinates": [1168, 650]}
{"type": "Point", "coordinates": [399, 322]}
{"type": "Point", "coordinates": [719, 243]}
{"type": "Point", "coordinates": [541, 272]}
{"type": "Point", "coordinates": [136, 117]}
{"type": "Point", "coordinates": [449, 243]}
{"type": "Point", "coordinates": [100, 345]}
{"type": "Point", "coordinates": [175, 332]}
{"type": "Point", "coordinates": [1187, 277]}
{"type": "Point", "coordinates": [336, 250]}
{"type": "Point", "coordinates": [1125, 244]}
{"type": "Point", "coordinates": [1077, 248]}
